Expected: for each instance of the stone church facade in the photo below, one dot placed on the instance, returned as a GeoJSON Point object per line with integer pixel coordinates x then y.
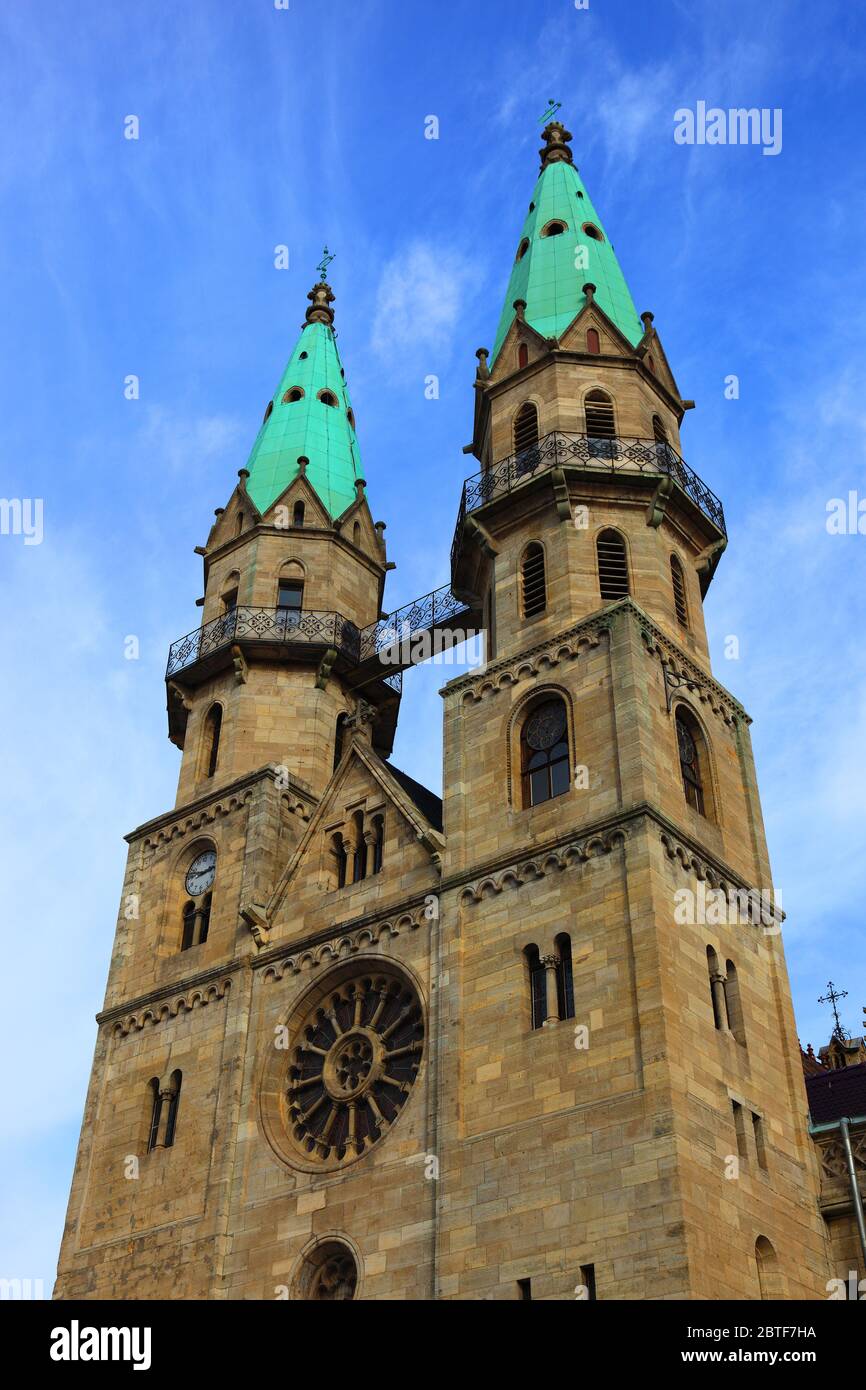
{"type": "Point", "coordinates": [534, 1040]}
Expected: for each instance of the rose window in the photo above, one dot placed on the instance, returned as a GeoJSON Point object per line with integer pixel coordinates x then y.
{"type": "Point", "coordinates": [546, 726]}
{"type": "Point", "coordinates": [352, 1067]}
{"type": "Point", "coordinates": [328, 1274]}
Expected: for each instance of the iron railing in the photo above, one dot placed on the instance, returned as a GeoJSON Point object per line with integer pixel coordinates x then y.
{"type": "Point", "coordinates": [621, 454]}
{"type": "Point", "coordinates": [435, 610]}
{"type": "Point", "coordinates": [264, 625]}
{"type": "Point", "coordinates": [389, 640]}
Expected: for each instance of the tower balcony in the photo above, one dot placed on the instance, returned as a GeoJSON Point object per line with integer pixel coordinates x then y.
{"type": "Point", "coordinates": [372, 657]}
{"type": "Point", "coordinates": [647, 458]}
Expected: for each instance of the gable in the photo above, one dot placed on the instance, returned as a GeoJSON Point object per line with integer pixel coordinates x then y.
{"type": "Point", "coordinates": [367, 538]}
{"type": "Point", "coordinates": [300, 489]}
{"type": "Point", "coordinates": [611, 341]}
{"type": "Point", "coordinates": [240, 508]}
{"type": "Point", "coordinates": [370, 815]}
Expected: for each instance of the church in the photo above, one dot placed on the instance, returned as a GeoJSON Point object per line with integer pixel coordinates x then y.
{"type": "Point", "coordinates": [360, 1042]}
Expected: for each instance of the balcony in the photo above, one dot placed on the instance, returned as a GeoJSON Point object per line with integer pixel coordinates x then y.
{"type": "Point", "coordinates": [378, 652]}
{"type": "Point", "coordinates": [645, 457]}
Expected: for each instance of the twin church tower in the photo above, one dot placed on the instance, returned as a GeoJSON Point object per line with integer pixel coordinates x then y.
{"type": "Point", "coordinates": [359, 1042]}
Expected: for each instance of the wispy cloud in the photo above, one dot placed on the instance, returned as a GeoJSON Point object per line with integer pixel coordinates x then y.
{"type": "Point", "coordinates": [421, 292]}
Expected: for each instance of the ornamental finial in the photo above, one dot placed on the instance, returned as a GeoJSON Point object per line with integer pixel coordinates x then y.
{"type": "Point", "coordinates": [321, 298]}
{"type": "Point", "coordinates": [555, 148]}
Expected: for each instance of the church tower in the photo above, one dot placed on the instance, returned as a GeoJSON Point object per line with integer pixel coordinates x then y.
{"type": "Point", "coordinates": [538, 1046]}
{"type": "Point", "coordinates": [627, 1106]}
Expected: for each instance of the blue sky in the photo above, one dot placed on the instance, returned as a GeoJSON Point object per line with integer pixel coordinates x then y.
{"type": "Point", "coordinates": [261, 127]}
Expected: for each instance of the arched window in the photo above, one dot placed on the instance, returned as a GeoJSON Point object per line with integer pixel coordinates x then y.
{"type": "Point", "coordinates": [155, 1097]}
{"type": "Point", "coordinates": [211, 742]}
{"type": "Point", "coordinates": [544, 753]}
{"type": "Point", "coordinates": [758, 1135]}
{"type": "Point", "coordinates": [204, 919]}
{"type": "Point", "coordinates": [188, 936]}
{"type": "Point", "coordinates": [229, 592]}
{"type": "Point", "coordinates": [173, 1103]}
{"type": "Point", "coordinates": [593, 232]}
{"type": "Point", "coordinates": [342, 857]}
{"type": "Point", "coordinates": [240, 525]}
{"type": "Point", "coordinates": [733, 1003]}
{"type": "Point", "coordinates": [350, 416]}
{"type": "Point", "coordinates": [679, 587]}
{"type": "Point", "coordinates": [290, 601]}
{"type": "Point", "coordinates": [522, 249]}
{"type": "Point", "coordinates": [598, 408]}
{"type": "Point", "coordinates": [339, 734]}
{"type": "Point", "coordinates": [327, 398]}
{"type": "Point", "coordinates": [554, 228]}
{"type": "Point", "coordinates": [294, 393]}
{"type": "Point", "coordinates": [328, 1274]}
{"type": "Point", "coordinates": [537, 983]}
{"type": "Point", "coordinates": [298, 514]}
{"type": "Point", "coordinates": [693, 761]}
{"type": "Point", "coordinates": [522, 355]}
{"type": "Point", "coordinates": [564, 977]}
{"type": "Point", "coordinates": [717, 990]}
{"type": "Point", "coordinates": [593, 343]}
{"type": "Point", "coordinates": [612, 565]}
{"type": "Point", "coordinates": [356, 533]}
{"type": "Point", "coordinates": [525, 428]}
{"type": "Point", "coordinates": [378, 842]}
{"type": "Point", "coordinates": [659, 431]}
{"type": "Point", "coordinates": [268, 409]}
{"type": "Point", "coordinates": [769, 1274]}
{"type": "Point", "coordinates": [359, 857]}
{"type": "Point", "coordinates": [533, 587]}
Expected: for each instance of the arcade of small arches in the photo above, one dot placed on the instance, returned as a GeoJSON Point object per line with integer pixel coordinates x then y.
{"type": "Point", "coordinates": [357, 847]}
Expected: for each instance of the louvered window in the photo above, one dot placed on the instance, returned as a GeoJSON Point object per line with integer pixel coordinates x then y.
{"type": "Point", "coordinates": [679, 587]}
{"type": "Point", "coordinates": [599, 416]}
{"type": "Point", "coordinates": [533, 586]}
{"type": "Point", "coordinates": [525, 428]}
{"type": "Point", "coordinates": [612, 565]}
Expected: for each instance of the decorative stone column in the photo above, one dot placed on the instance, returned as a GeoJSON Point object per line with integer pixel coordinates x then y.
{"type": "Point", "coordinates": [551, 967]}
{"type": "Point", "coordinates": [720, 1002]}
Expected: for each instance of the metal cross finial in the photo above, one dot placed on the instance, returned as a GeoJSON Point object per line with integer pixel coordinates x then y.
{"type": "Point", "coordinates": [322, 267]}
{"type": "Point", "coordinates": [552, 108]}
{"type": "Point", "coordinates": [830, 998]}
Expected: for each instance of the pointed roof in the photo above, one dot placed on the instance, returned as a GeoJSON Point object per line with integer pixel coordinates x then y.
{"type": "Point", "coordinates": [545, 275]}
{"type": "Point", "coordinates": [298, 423]}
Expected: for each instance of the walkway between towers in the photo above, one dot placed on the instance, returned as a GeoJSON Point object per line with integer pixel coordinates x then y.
{"type": "Point", "coordinates": [379, 652]}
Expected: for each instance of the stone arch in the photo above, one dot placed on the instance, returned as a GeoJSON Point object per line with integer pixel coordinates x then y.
{"type": "Point", "coordinates": [706, 756]}
{"type": "Point", "coordinates": [520, 711]}
{"type": "Point", "coordinates": [600, 531]}
{"type": "Point", "coordinates": [330, 1267]}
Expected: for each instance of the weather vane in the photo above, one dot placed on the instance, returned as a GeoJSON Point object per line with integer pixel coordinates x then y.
{"type": "Point", "coordinates": [830, 998]}
{"type": "Point", "coordinates": [552, 108]}
{"type": "Point", "coordinates": [322, 267]}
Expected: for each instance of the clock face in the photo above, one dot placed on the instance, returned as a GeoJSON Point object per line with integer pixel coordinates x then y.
{"type": "Point", "coordinates": [201, 872]}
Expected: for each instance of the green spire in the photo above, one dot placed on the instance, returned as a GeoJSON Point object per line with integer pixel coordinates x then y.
{"type": "Point", "coordinates": [549, 275]}
{"type": "Point", "coordinates": [300, 423]}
